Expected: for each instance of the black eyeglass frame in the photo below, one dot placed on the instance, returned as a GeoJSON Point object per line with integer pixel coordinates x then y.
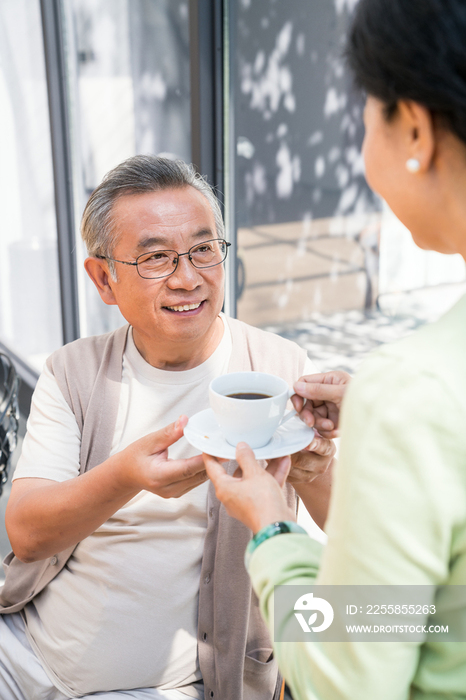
{"type": "Point", "coordinates": [178, 256]}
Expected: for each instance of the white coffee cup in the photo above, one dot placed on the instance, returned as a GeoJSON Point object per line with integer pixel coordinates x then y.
{"type": "Point", "coordinates": [249, 420]}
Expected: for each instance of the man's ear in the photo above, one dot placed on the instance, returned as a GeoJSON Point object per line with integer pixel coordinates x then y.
{"type": "Point", "coordinates": [97, 269]}
{"type": "Point", "coordinates": [420, 133]}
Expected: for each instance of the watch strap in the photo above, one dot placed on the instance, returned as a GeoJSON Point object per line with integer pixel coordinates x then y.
{"type": "Point", "coordinates": [278, 528]}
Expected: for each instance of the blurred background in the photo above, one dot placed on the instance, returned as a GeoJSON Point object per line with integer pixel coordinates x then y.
{"type": "Point", "coordinates": [255, 93]}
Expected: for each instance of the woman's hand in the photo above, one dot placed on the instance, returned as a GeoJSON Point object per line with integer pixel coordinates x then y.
{"type": "Point", "coordinates": [311, 476]}
{"type": "Point", "coordinates": [318, 400]}
{"type": "Point", "coordinates": [252, 495]}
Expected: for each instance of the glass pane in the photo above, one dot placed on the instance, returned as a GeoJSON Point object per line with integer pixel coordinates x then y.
{"type": "Point", "coordinates": [30, 321]}
{"type": "Point", "coordinates": [129, 78]}
{"type": "Point", "coordinates": [314, 243]}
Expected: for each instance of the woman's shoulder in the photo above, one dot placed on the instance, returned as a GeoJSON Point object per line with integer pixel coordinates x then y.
{"type": "Point", "coordinates": [435, 354]}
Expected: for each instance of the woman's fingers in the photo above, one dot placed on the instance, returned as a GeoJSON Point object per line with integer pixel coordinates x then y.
{"type": "Point", "coordinates": [214, 469]}
{"type": "Point", "coordinates": [298, 402]}
{"type": "Point", "coordinates": [255, 498]}
{"type": "Point", "coordinates": [329, 386]}
{"type": "Point", "coordinates": [248, 467]}
{"type": "Point", "coordinates": [320, 392]}
{"type": "Point", "coordinates": [330, 434]}
{"type": "Point", "coordinates": [246, 459]}
{"type": "Point", "coordinates": [314, 414]}
{"type": "Point", "coordinates": [247, 462]}
{"type": "Point", "coordinates": [307, 416]}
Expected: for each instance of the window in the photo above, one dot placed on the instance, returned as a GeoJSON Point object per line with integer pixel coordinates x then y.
{"type": "Point", "coordinates": [320, 257]}
{"type": "Point", "coordinates": [128, 65]}
{"type": "Point", "coordinates": [30, 321]}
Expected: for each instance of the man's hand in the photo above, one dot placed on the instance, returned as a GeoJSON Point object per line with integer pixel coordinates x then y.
{"type": "Point", "coordinates": [318, 400]}
{"type": "Point", "coordinates": [310, 463]}
{"type": "Point", "coordinates": [252, 495]}
{"type": "Point", "coordinates": [45, 517]}
{"type": "Point", "coordinates": [152, 470]}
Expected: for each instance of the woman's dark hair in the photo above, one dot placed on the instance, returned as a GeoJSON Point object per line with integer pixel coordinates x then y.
{"type": "Point", "coordinates": [412, 50]}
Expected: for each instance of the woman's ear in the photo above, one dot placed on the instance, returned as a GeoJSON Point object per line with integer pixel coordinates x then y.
{"type": "Point", "coordinates": [98, 271]}
{"type": "Point", "coordinates": [419, 133]}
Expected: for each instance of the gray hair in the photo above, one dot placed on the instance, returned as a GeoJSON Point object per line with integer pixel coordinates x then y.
{"type": "Point", "coordinates": [137, 175]}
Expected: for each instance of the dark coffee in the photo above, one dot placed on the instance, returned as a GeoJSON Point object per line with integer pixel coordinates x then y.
{"type": "Point", "coordinates": [248, 396]}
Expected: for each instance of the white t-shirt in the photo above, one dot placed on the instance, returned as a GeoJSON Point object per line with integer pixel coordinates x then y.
{"type": "Point", "coordinates": [122, 614]}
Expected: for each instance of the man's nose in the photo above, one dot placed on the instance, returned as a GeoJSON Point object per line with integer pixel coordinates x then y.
{"type": "Point", "coordinates": [186, 276]}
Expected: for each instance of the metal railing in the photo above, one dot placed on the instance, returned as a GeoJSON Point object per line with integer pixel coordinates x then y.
{"type": "Point", "coordinates": [9, 415]}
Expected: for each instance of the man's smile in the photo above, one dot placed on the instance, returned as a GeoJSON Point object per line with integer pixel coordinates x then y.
{"type": "Point", "coordinates": [185, 308]}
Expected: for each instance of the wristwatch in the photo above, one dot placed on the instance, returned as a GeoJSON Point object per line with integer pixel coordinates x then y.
{"type": "Point", "coordinates": [278, 528]}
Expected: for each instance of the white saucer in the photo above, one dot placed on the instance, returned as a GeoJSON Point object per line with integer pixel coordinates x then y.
{"type": "Point", "coordinates": [202, 432]}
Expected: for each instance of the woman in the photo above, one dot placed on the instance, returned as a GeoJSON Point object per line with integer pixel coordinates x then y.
{"type": "Point", "coordinates": [398, 509]}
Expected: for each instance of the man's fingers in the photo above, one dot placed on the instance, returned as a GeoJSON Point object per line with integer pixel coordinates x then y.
{"type": "Point", "coordinates": [163, 438]}
{"type": "Point", "coordinates": [179, 488]}
{"type": "Point", "coordinates": [321, 446]}
{"type": "Point", "coordinates": [279, 468]}
{"type": "Point", "coordinates": [180, 469]}
{"type": "Point", "coordinates": [306, 476]}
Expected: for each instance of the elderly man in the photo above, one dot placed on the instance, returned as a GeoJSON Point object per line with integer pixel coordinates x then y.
{"type": "Point", "coordinates": [128, 578]}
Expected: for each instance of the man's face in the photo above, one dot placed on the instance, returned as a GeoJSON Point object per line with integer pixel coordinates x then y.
{"type": "Point", "coordinates": [173, 219]}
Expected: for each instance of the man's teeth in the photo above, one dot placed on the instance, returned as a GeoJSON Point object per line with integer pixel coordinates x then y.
{"type": "Point", "coordinates": [185, 307]}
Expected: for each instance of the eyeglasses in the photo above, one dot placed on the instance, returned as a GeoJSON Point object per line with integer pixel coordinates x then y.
{"type": "Point", "coordinates": [163, 263]}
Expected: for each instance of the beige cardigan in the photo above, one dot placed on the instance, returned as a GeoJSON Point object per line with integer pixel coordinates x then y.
{"type": "Point", "coordinates": [235, 651]}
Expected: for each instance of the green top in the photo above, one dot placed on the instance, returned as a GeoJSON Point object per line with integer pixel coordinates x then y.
{"type": "Point", "coordinates": [397, 516]}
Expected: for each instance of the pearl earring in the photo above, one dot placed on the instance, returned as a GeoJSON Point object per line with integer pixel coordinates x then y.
{"type": "Point", "coordinates": [413, 165]}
